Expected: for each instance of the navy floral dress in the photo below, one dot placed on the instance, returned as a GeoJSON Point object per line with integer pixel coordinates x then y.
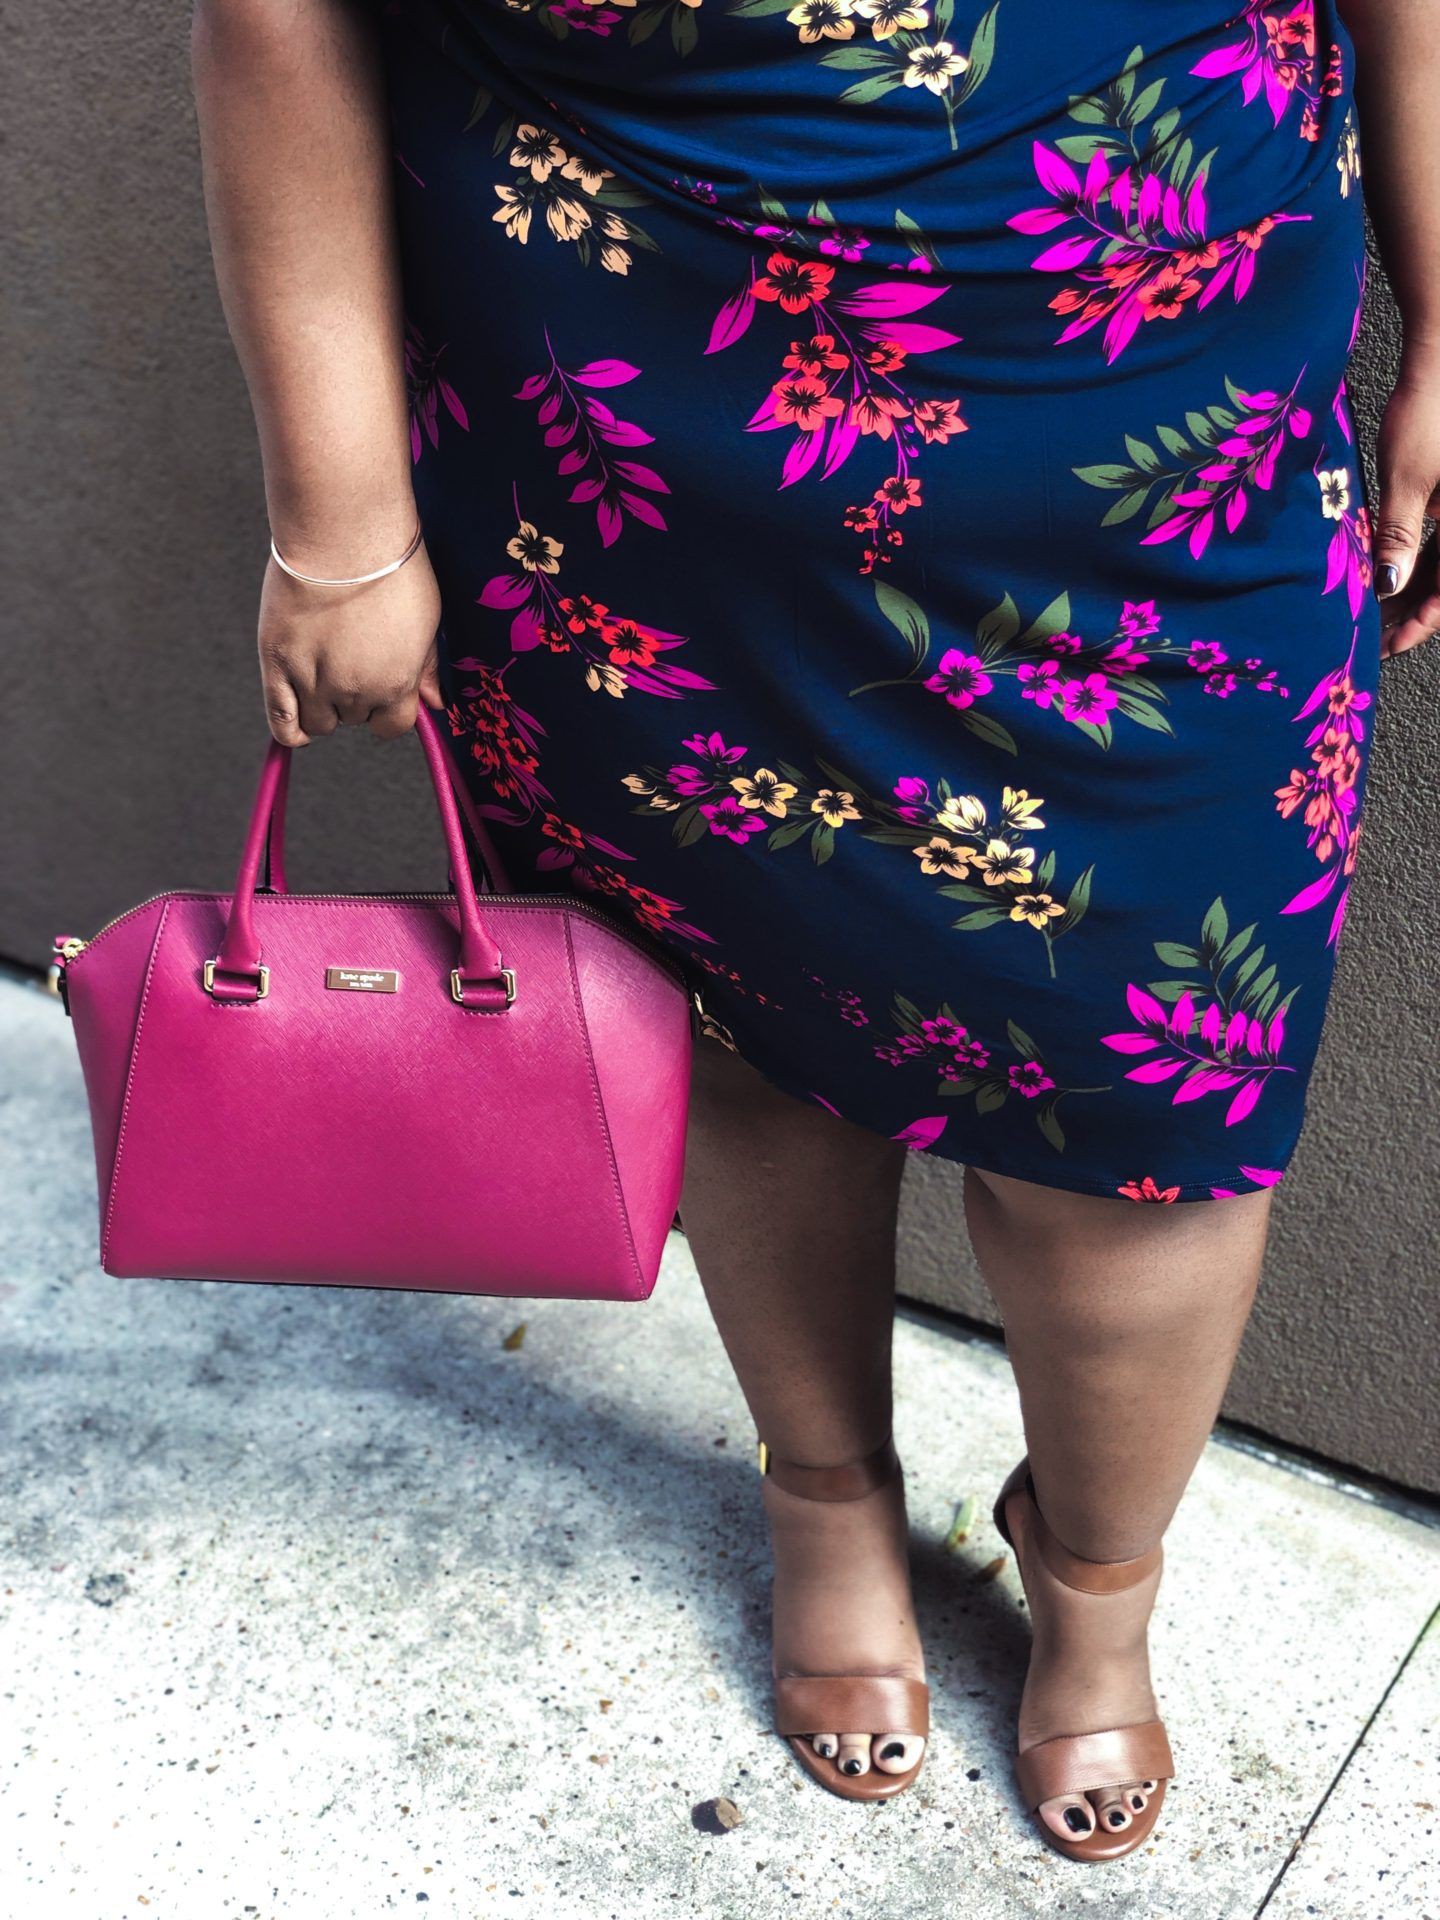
{"type": "Point", "coordinates": [902, 540]}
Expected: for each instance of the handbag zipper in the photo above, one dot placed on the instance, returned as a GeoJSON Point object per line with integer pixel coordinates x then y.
{"type": "Point", "coordinates": [68, 948]}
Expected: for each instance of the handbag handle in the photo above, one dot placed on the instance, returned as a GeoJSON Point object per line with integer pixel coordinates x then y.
{"type": "Point", "coordinates": [272, 872]}
{"type": "Point", "coordinates": [478, 980]}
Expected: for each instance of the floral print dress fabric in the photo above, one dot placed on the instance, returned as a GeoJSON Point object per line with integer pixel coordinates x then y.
{"type": "Point", "coordinates": [902, 539]}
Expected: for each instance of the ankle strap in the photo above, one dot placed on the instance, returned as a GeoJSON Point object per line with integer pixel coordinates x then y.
{"type": "Point", "coordinates": [850, 1481]}
{"type": "Point", "coordinates": [1086, 1576]}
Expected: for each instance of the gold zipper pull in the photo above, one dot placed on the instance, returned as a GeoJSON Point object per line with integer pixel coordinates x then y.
{"type": "Point", "coordinates": [66, 946]}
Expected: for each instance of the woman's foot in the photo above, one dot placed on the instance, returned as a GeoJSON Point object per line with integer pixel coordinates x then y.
{"type": "Point", "coordinates": [1089, 1671]}
{"type": "Point", "coordinates": [842, 1605]}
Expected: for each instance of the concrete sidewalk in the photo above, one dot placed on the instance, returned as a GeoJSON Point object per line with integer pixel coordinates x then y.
{"type": "Point", "coordinates": [328, 1603]}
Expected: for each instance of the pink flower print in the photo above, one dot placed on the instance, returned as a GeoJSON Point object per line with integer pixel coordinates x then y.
{"type": "Point", "coordinates": [941, 1032]}
{"type": "Point", "coordinates": [1222, 685]}
{"type": "Point", "coordinates": [1039, 681]}
{"type": "Point", "coordinates": [710, 746]}
{"type": "Point", "coordinates": [586, 19]}
{"type": "Point", "coordinates": [1139, 619]}
{"type": "Point", "coordinates": [1089, 699]}
{"type": "Point", "coordinates": [1063, 643]}
{"type": "Point", "coordinates": [1124, 658]}
{"type": "Point", "coordinates": [961, 677]}
{"type": "Point", "coordinates": [913, 792]}
{"type": "Point", "coordinates": [732, 821]}
{"type": "Point", "coordinates": [1205, 656]}
{"type": "Point", "coordinates": [971, 1053]}
{"type": "Point", "coordinates": [1029, 1079]}
{"type": "Point", "coordinates": [844, 243]}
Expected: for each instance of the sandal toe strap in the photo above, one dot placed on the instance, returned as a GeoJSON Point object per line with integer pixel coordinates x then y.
{"type": "Point", "coordinates": [852, 1703]}
{"type": "Point", "coordinates": [1083, 1762]}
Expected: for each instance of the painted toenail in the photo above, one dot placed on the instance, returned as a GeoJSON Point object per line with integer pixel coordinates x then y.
{"type": "Point", "coordinates": [1117, 1818]}
{"type": "Point", "coordinates": [1076, 1820]}
{"type": "Point", "coordinates": [850, 1766]}
{"type": "Point", "coordinates": [1137, 1803]}
{"type": "Point", "coordinates": [894, 1751]}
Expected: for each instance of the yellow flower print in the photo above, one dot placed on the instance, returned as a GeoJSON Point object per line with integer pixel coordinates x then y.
{"type": "Point", "coordinates": [1334, 492]}
{"type": "Point", "coordinates": [935, 67]}
{"type": "Point", "coordinates": [964, 814]}
{"type": "Point", "coordinates": [823, 20]}
{"type": "Point", "coordinates": [944, 856]}
{"type": "Point", "coordinates": [567, 219]}
{"type": "Point", "coordinates": [614, 259]}
{"type": "Point", "coordinates": [834, 806]}
{"type": "Point", "coordinates": [584, 174]}
{"type": "Point", "coordinates": [1004, 865]}
{"type": "Point", "coordinates": [603, 678]}
{"type": "Point", "coordinates": [514, 210]}
{"type": "Point", "coordinates": [647, 790]}
{"type": "Point", "coordinates": [1020, 810]}
{"type": "Point", "coordinates": [536, 552]}
{"type": "Point", "coordinates": [1037, 908]}
{"type": "Point", "coordinates": [890, 16]}
{"type": "Point", "coordinates": [536, 151]}
{"type": "Point", "coordinates": [766, 791]}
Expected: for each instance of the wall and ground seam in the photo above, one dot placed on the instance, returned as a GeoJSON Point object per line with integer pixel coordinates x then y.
{"type": "Point", "coordinates": [132, 543]}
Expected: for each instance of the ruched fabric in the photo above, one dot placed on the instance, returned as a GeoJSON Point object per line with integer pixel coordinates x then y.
{"type": "Point", "coordinates": [902, 539]}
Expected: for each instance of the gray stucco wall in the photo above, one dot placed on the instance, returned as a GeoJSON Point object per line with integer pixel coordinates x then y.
{"type": "Point", "coordinates": [132, 543]}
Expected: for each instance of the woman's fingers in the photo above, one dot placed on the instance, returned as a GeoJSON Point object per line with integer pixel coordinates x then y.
{"type": "Point", "coordinates": [388, 722]}
{"type": "Point", "coordinates": [1413, 614]}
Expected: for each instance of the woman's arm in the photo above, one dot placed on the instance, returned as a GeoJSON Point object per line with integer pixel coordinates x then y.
{"type": "Point", "coordinates": [1397, 87]}
{"type": "Point", "coordinates": [295, 138]}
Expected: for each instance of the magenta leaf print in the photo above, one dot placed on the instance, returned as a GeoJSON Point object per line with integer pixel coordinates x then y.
{"type": "Point", "coordinates": [1136, 243]}
{"type": "Point", "coordinates": [1202, 481]}
{"type": "Point", "coordinates": [1274, 59]}
{"type": "Point", "coordinates": [1325, 792]}
{"type": "Point", "coordinates": [586, 431]}
{"type": "Point", "coordinates": [1219, 1028]}
{"type": "Point", "coordinates": [841, 385]}
{"type": "Point", "coordinates": [429, 390]}
{"type": "Point", "coordinates": [618, 654]}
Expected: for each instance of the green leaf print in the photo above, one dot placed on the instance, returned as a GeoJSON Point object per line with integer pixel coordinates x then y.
{"type": "Point", "coordinates": [907, 618]}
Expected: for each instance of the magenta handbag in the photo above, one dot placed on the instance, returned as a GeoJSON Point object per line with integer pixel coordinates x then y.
{"type": "Point", "coordinates": [466, 1094]}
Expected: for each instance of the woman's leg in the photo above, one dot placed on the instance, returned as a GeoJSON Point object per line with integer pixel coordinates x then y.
{"type": "Point", "coordinates": [1122, 1323]}
{"type": "Point", "coordinates": [790, 1213]}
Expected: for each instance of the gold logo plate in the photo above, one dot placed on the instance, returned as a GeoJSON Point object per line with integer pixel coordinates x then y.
{"type": "Point", "coordinates": [362, 979]}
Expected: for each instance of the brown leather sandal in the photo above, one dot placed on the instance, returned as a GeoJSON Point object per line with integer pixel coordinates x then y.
{"type": "Point", "coordinates": [1081, 1762]}
{"type": "Point", "coordinates": [807, 1704]}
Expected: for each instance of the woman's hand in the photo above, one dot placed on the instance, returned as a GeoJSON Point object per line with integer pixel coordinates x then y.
{"type": "Point", "coordinates": [1407, 574]}
{"type": "Point", "coordinates": [348, 656]}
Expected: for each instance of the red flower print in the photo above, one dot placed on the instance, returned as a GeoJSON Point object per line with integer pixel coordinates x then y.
{"type": "Point", "coordinates": [877, 413]}
{"type": "Point", "coordinates": [817, 355]}
{"type": "Point", "coordinates": [1146, 1189]}
{"type": "Point", "coordinates": [898, 494]}
{"type": "Point", "coordinates": [1165, 295]}
{"type": "Point", "coordinates": [805, 403]}
{"type": "Point", "coordinates": [885, 357]}
{"type": "Point", "coordinates": [795, 284]}
{"type": "Point", "coordinates": [938, 420]}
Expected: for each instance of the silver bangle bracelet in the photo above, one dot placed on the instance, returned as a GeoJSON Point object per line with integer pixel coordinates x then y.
{"type": "Point", "coordinates": [355, 580]}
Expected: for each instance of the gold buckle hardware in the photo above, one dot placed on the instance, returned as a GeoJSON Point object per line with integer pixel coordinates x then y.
{"type": "Point", "coordinates": [457, 985]}
{"type": "Point", "coordinates": [762, 1456]}
{"type": "Point", "coordinates": [262, 980]}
